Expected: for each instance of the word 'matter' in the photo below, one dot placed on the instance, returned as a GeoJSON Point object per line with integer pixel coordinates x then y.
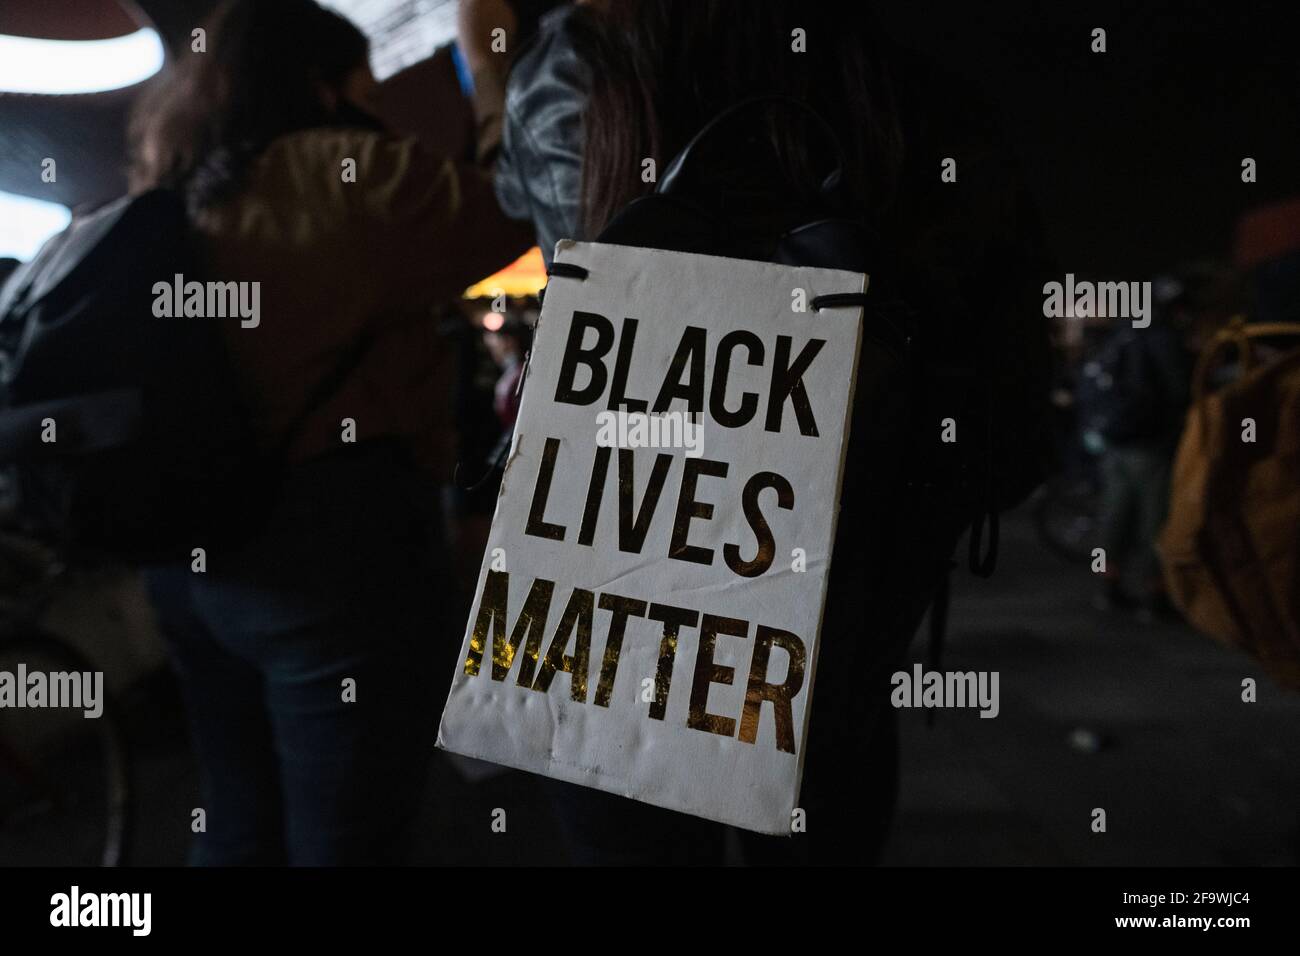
{"type": "Point", "coordinates": [522, 641]}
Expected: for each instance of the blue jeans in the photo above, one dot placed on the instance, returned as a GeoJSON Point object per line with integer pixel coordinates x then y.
{"type": "Point", "coordinates": [343, 585]}
{"type": "Point", "coordinates": [1135, 503]}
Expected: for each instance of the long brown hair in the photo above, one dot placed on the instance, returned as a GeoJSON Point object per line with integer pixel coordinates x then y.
{"type": "Point", "coordinates": [210, 113]}
{"type": "Point", "coordinates": [664, 68]}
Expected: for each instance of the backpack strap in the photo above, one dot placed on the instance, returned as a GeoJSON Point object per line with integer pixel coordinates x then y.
{"type": "Point", "coordinates": [675, 173]}
{"type": "Point", "coordinates": [329, 386]}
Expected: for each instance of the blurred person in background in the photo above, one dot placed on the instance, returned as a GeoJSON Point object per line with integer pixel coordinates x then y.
{"type": "Point", "coordinates": [343, 584]}
{"type": "Point", "coordinates": [1266, 249]}
{"type": "Point", "coordinates": [469, 499]}
{"type": "Point", "coordinates": [491, 348]}
{"type": "Point", "coordinates": [1134, 393]}
{"type": "Point", "coordinates": [508, 346]}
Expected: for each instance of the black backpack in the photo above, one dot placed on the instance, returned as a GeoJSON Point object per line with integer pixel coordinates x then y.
{"type": "Point", "coordinates": [693, 209]}
{"type": "Point", "coordinates": [122, 434]}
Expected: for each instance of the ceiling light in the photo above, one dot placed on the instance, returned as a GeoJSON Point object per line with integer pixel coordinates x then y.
{"type": "Point", "coordinates": [29, 65]}
{"type": "Point", "coordinates": [26, 223]}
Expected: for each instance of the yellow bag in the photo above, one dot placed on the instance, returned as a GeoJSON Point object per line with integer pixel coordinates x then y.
{"type": "Point", "coordinates": [1231, 544]}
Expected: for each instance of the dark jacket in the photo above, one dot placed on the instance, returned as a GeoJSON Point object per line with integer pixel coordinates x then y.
{"type": "Point", "coordinates": [1134, 391]}
{"type": "Point", "coordinates": [970, 256]}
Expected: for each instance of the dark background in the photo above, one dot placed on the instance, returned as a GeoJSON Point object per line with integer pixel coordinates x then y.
{"type": "Point", "coordinates": [1134, 154]}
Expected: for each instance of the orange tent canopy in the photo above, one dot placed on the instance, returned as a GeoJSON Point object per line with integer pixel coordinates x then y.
{"type": "Point", "coordinates": [525, 276]}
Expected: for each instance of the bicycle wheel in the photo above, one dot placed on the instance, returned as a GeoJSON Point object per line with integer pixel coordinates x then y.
{"type": "Point", "coordinates": [65, 785]}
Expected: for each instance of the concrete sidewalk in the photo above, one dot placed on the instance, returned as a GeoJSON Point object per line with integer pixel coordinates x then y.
{"type": "Point", "coordinates": [1187, 773]}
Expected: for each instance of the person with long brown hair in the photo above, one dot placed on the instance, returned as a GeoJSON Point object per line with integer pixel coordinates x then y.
{"type": "Point", "coordinates": [645, 76]}
{"type": "Point", "coordinates": [306, 655]}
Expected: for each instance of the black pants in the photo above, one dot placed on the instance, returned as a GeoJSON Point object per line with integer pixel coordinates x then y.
{"type": "Point", "coordinates": [308, 664]}
{"type": "Point", "coordinates": [850, 782]}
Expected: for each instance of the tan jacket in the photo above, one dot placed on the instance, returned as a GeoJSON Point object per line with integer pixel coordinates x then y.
{"type": "Point", "coordinates": [337, 259]}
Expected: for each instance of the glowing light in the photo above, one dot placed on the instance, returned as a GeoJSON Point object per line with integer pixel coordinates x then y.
{"type": "Point", "coordinates": [26, 223]}
{"type": "Point", "coordinates": [29, 65]}
{"type": "Point", "coordinates": [493, 321]}
{"type": "Point", "coordinates": [525, 276]}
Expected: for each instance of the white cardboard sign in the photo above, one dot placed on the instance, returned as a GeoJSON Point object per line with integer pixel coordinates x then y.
{"type": "Point", "coordinates": [647, 616]}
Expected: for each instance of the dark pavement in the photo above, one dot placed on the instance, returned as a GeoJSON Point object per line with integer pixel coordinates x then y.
{"type": "Point", "coordinates": [1187, 773]}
